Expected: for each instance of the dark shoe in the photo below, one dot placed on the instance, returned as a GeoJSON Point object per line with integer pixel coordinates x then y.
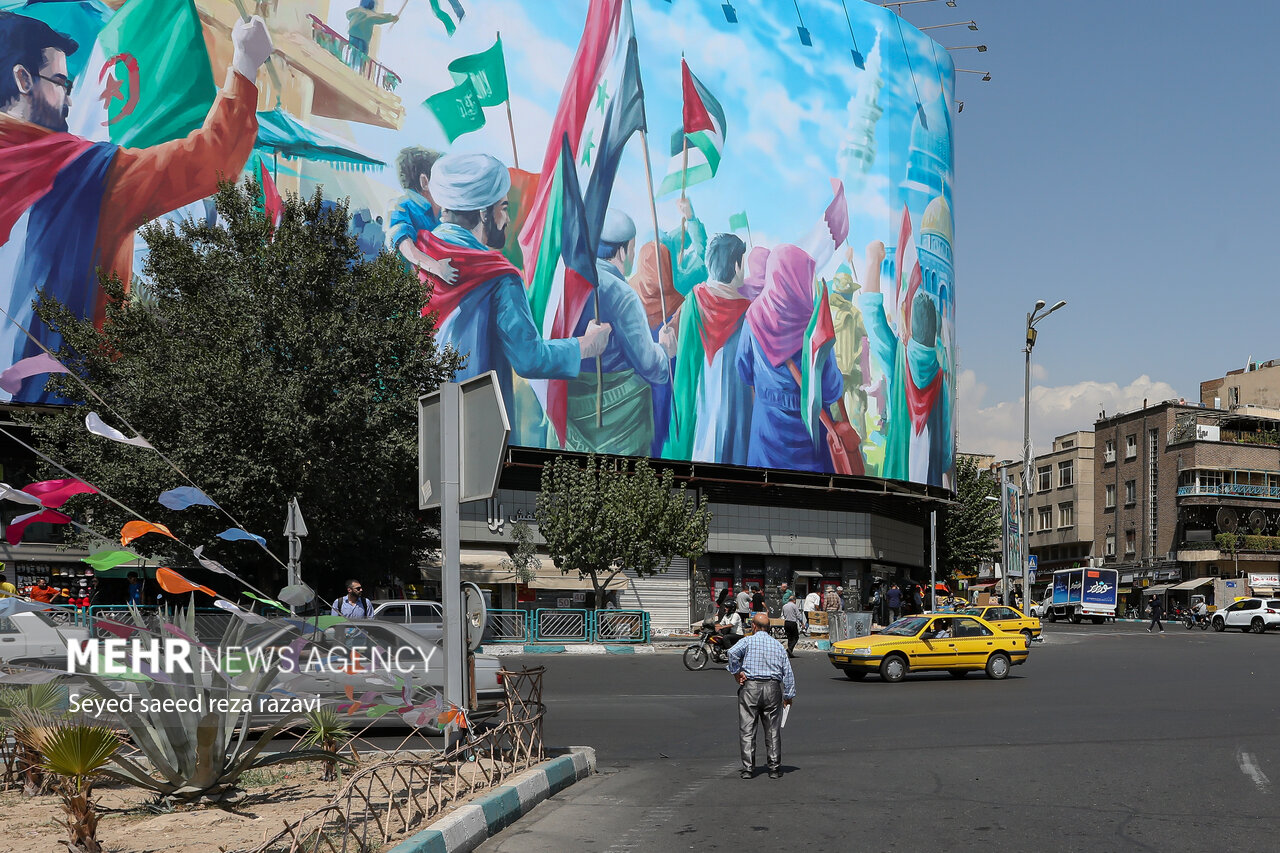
{"type": "Point", "coordinates": [775, 774]}
{"type": "Point", "coordinates": [746, 774]}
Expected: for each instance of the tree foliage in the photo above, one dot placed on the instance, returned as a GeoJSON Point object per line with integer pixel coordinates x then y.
{"type": "Point", "coordinates": [266, 366]}
{"type": "Point", "coordinates": [969, 531]}
{"type": "Point", "coordinates": [523, 562]}
{"type": "Point", "coordinates": [603, 515]}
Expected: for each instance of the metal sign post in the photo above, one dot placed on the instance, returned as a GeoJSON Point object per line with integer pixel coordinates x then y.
{"type": "Point", "coordinates": [462, 439]}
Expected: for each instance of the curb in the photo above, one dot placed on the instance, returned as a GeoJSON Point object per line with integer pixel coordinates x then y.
{"type": "Point", "coordinates": [504, 649]}
{"type": "Point", "coordinates": [469, 826]}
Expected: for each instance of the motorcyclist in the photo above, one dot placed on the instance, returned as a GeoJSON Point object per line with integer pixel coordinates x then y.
{"type": "Point", "coordinates": [1200, 611]}
{"type": "Point", "coordinates": [729, 629]}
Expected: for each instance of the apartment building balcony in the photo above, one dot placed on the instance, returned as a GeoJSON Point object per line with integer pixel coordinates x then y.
{"type": "Point", "coordinates": [1268, 492]}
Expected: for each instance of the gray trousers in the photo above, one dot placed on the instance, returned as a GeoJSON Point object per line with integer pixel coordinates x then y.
{"type": "Point", "coordinates": [760, 702]}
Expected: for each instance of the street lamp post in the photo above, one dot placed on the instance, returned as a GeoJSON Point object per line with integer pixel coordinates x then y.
{"type": "Point", "coordinates": [1032, 318]}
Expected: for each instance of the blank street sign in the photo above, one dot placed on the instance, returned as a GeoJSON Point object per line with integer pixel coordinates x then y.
{"type": "Point", "coordinates": [483, 431]}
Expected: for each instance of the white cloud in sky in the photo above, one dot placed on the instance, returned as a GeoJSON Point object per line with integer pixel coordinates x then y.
{"type": "Point", "coordinates": [996, 427]}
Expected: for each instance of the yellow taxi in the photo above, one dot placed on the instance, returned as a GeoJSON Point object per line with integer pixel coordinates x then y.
{"type": "Point", "coordinates": [1009, 619]}
{"type": "Point", "coordinates": [954, 642]}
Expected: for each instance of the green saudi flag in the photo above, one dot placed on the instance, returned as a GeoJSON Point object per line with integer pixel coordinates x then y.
{"type": "Point", "coordinates": [487, 72]}
{"type": "Point", "coordinates": [458, 109]}
{"type": "Point", "coordinates": [148, 79]}
{"type": "Point", "coordinates": [738, 221]}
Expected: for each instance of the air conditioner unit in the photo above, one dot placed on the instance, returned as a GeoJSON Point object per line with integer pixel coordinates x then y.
{"type": "Point", "coordinates": [1213, 570]}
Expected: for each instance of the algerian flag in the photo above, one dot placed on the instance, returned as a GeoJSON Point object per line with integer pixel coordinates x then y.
{"type": "Point", "coordinates": [819, 340]}
{"type": "Point", "coordinates": [700, 137]}
{"type": "Point", "coordinates": [149, 79]}
{"type": "Point", "coordinates": [458, 109]}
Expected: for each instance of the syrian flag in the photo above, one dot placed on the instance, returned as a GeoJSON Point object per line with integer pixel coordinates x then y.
{"type": "Point", "coordinates": [703, 133]}
{"type": "Point", "coordinates": [601, 106]}
{"type": "Point", "coordinates": [819, 340]}
{"type": "Point", "coordinates": [149, 79]}
{"type": "Point", "coordinates": [829, 234]}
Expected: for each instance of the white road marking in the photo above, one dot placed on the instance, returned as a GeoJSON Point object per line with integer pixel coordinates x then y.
{"type": "Point", "coordinates": [1249, 767]}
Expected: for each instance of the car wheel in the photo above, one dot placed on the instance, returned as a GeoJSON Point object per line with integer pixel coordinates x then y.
{"type": "Point", "coordinates": [958, 673]}
{"type": "Point", "coordinates": [1219, 624]}
{"type": "Point", "coordinates": [695, 657]}
{"type": "Point", "coordinates": [855, 674]}
{"type": "Point", "coordinates": [1075, 618]}
{"type": "Point", "coordinates": [1052, 617]}
{"type": "Point", "coordinates": [1258, 626]}
{"type": "Point", "coordinates": [1026, 632]}
{"type": "Point", "coordinates": [893, 668]}
{"type": "Point", "coordinates": [1098, 620]}
{"type": "Point", "coordinates": [998, 666]}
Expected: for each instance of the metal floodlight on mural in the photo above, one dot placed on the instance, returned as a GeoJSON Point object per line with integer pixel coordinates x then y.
{"type": "Point", "coordinates": [729, 14]}
{"type": "Point", "coordinates": [858, 60]}
{"type": "Point", "coordinates": [805, 39]}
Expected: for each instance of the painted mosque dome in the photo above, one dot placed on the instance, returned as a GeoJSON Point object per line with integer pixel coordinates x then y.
{"type": "Point", "coordinates": [937, 220]}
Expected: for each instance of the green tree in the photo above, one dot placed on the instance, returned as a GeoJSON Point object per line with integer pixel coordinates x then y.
{"type": "Point", "coordinates": [602, 515]}
{"type": "Point", "coordinates": [266, 366]}
{"type": "Point", "coordinates": [969, 530]}
{"type": "Point", "coordinates": [523, 562]}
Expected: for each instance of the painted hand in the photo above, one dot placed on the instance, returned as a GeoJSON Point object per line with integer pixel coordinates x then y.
{"type": "Point", "coordinates": [252, 45]}
{"type": "Point", "coordinates": [595, 340]}
{"type": "Point", "coordinates": [445, 271]}
{"type": "Point", "coordinates": [667, 340]}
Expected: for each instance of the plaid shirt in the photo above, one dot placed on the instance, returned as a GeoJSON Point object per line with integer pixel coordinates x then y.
{"type": "Point", "coordinates": [762, 658]}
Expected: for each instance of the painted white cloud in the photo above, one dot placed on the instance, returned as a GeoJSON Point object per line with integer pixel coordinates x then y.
{"type": "Point", "coordinates": [996, 427]}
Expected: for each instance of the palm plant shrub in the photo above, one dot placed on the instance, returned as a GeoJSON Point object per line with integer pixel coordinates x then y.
{"type": "Point", "coordinates": [326, 730]}
{"type": "Point", "coordinates": [76, 754]}
{"type": "Point", "coordinates": [27, 709]}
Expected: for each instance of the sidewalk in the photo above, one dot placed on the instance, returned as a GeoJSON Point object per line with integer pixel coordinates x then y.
{"type": "Point", "coordinates": [663, 644]}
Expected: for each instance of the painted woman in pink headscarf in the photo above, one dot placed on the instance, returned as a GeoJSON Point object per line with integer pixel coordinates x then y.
{"type": "Point", "coordinates": [776, 322]}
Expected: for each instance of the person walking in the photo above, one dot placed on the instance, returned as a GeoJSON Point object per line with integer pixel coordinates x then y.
{"type": "Point", "coordinates": [792, 622]}
{"type": "Point", "coordinates": [723, 602]}
{"type": "Point", "coordinates": [353, 605]}
{"type": "Point", "coordinates": [766, 685]}
{"type": "Point", "coordinates": [757, 601]}
{"type": "Point", "coordinates": [787, 594]}
{"type": "Point", "coordinates": [743, 603]}
{"type": "Point", "coordinates": [1157, 611]}
{"type": "Point", "coordinates": [812, 602]}
{"type": "Point", "coordinates": [895, 603]}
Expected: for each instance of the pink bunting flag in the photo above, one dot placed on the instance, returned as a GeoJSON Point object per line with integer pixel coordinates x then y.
{"type": "Point", "coordinates": [11, 379]}
{"type": "Point", "coordinates": [54, 493]}
{"type": "Point", "coordinates": [13, 532]}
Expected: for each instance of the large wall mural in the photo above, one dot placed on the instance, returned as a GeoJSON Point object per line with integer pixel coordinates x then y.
{"type": "Point", "coordinates": [700, 231]}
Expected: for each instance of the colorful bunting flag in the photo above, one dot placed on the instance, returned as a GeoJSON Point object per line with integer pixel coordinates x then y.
{"type": "Point", "coordinates": [235, 534]}
{"type": "Point", "coordinates": [103, 561]}
{"type": "Point", "coordinates": [13, 530]}
{"type": "Point", "coordinates": [9, 493]}
{"type": "Point", "coordinates": [54, 493]}
{"type": "Point", "coordinates": [10, 606]}
{"type": "Point", "coordinates": [11, 379]}
{"type": "Point", "coordinates": [174, 583]}
{"type": "Point", "coordinates": [212, 565]}
{"type": "Point", "coordinates": [134, 529]}
{"type": "Point", "coordinates": [96, 426]}
{"type": "Point", "coordinates": [185, 496]}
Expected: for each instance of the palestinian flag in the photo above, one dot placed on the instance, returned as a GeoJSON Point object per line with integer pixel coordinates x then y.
{"type": "Point", "coordinates": [601, 106]}
{"type": "Point", "coordinates": [819, 340]}
{"type": "Point", "coordinates": [703, 131]}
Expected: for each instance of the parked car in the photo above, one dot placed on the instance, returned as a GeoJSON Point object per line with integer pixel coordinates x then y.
{"type": "Point", "coordinates": [1040, 608]}
{"type": "Point", "coordinates": [34, 638]}
{"type": "Point", "coordinates": [955, 643]}
{"type": "Point", "coordinates": [424, 618]}
{"type": "Point", "coordinates": [1248, 614]}
{"type": "Point", "coordinates": [1007, 619]}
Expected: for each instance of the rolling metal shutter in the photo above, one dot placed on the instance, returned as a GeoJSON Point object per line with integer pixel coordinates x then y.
{"type": "Point", "coordinates": [666, 596]}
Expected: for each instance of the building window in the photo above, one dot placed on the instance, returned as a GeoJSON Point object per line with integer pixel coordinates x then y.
{"type": "Point", "coordinates": [1233, 396]}
{"type": "Point", "coordinates": [1110, 502]}
{"type": "Point", "coordinates": [1109, 453]}
{"type": "Point", "coordinates": [1068, 444]}
{"type": "Point", "coordinates": [1066, 515]}
{"type": "Point", "coordinates": [1064, 474]}
{"type": "Point", "coordinates": [1130, 542]}
{"type": "Point", "coordinates": [1042, 476]}
{"type": "Point", "coordinates": [1131, 446]}
{"type": "Point", "coordinates": [1130, 492]}
{"type": "Point", "coordinates": [1110, 547]}
{"type": "Point", "coordinates": [1046, 518]}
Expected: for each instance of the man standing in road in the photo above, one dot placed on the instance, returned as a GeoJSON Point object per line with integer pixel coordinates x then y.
{"type": "Point", "coordinates": [766, 685]}
{"type": "Point", "coordinates": [743, 603]}
{"type": "Point", "coordinates": [895, 603]}
{"type": "Point", "coordinates": [1157, 611]}
{"type": "Point", "coordinates": [353, 605]}
{"type": "Point", "coordinates": [792, 621]}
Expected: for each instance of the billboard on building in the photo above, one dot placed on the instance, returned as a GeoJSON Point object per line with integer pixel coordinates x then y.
{"type": "Point", "coordinates": [758, 208]}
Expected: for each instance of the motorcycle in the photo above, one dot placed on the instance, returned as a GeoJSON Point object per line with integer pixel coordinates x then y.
{"type": "Point", "coordinates": [1190, 620]}
{"type": "Point", "coordinates": [712, 646]}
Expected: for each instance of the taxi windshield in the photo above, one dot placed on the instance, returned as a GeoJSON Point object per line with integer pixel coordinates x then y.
{"type": "Point", "coordinates": [906, 627]}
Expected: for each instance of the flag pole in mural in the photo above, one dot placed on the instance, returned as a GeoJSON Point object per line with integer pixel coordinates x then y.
{"type": "Point", "coordinates": [479, 80]}
{"type": "Point", "coordinates": [738, 221]}
{"type": "Point", "coordinates": [575, 249]}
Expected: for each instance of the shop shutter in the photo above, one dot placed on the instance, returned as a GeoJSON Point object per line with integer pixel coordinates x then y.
{"type": "Point", "coordinates": [666, 596]}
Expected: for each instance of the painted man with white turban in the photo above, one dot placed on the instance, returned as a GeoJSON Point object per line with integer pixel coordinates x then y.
{"type": "Point", "coordinates": [485, 312]}
{"type": "Point", "coordinates": [631, 363]}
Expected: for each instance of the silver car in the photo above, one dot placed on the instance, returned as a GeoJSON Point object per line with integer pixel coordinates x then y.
{"type": "Point", "coordinates": [424, 618]}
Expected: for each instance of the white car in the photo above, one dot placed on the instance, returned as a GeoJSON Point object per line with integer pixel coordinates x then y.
{"type": "Point", "coordinates": [1248, 614]}
{"type": "Point", "coordinates": [33, 638]}
{"type": "Point", "coordinates": [1040, 608]}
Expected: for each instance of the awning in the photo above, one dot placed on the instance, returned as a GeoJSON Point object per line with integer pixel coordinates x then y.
{"type": "Point", "coordinates": [478, 566]}
{"type": "Point", "coordinates": [980, 585]}
{"type": "Point", "coordinates": [1194, 584]}
{"type": "Point", "coordinates": [1263, 591]}
{"type": "Point", "coordinates": [1152, 590]}
{"type": "Point", "coordinates": [282, 134]}
{"type": "Point", "coordinates": [549, 577]}
{"type": "Point", "coordinates": [806, 573]}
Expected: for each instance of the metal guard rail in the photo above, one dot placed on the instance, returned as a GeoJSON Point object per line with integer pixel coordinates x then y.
{"type": "Point", "coordinates": [567, 625]}
{"type": "Point", "coordinates": [508, 626]}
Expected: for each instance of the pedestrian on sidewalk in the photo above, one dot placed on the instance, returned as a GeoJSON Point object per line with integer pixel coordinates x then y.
{"type": "Point", "coordinates": [832, 600]}
{"type": "Point", "coordinates": [812, 602]}
{"type": "Point", "coordinates": [792, 621]}
{"type": "Point", "coordinates": [757, 601]}
{"type": "Point", "coordinates": [743, 603]}
{"type": "Point", "coordinates": [766, 685]}
{"type": "Point", "coordinates": [787, 594]}
{"type": "Point", "coordinates": [723, 601]}
{"type": "Point", "coordinates": [895, 603]}
{"type": "Point", "coordinates": [1156, 612]}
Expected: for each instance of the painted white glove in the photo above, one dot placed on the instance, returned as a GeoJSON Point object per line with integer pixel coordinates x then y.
{"type": "Point", "coordinates": [595, 339]}
{"type": "Point", "coordinates": [252, 45]}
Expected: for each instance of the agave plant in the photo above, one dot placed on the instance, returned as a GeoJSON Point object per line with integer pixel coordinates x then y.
{"type": "Point", "coordinates": [326, 730]}
{"type": "Point", "coordinates": [194, 748]}
{"type": "Point", "coordinates": [76, 754]}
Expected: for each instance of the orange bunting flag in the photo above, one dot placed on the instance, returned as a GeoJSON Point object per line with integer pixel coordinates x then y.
{"type": "Point", "coordinates": [133, 529]}
{"type": "Point", "coordinates": [174, 583]}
